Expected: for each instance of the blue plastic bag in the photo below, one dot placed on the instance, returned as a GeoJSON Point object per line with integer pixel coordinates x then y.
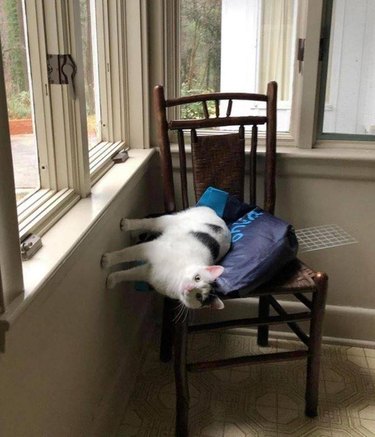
{"type": "Point", "coordinates": [262, 245]}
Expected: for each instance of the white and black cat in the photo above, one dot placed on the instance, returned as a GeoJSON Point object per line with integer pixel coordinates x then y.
{"type": "Point", "coordinates": [179, 263]}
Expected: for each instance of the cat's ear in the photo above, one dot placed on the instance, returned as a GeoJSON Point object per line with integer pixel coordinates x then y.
{"type": "Point", "coordinates": [214, 271]}
{"type": "Point", "coordinates": [217, 304]}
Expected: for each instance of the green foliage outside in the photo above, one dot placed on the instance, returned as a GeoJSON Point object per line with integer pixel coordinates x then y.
{"type": "Point", "coordinates": [195, 110]}
{"type": "Point", "coordinates": [15, 64]}
{"type": "Point", "coordinates": [200, 52]}
{"type": "Point", "coordinates": [19, 106]}
{"type": "Point", "coordinates": [87, 56]}
{"type": "Point", "coordinates": [14, 59]}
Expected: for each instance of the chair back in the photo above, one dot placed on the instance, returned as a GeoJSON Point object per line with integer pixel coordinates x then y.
{"type": "Point", "coordinates": [218, 160]}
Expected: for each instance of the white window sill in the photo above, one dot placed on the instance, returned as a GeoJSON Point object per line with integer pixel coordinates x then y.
{"type": "Point", "coordinates": [325, 161]}
{"type": "Point", "coordinates": [67, 233]}
{"type": "Point", "coordinates": [331, 151]}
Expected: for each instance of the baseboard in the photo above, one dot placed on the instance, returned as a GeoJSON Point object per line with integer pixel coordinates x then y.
{"type": "Point", "coordinates": [342, 324]}
{"type": "Point", "coordinates": [113, 404]}
{"type": "Point", "coordinates": [346, 325]}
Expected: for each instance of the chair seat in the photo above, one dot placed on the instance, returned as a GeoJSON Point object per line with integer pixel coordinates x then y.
{"type": "Point", "coordinates": [296, 277]}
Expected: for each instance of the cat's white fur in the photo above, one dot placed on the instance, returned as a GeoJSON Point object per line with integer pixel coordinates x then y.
{"type": "Point", "coordinates": [177, 264]}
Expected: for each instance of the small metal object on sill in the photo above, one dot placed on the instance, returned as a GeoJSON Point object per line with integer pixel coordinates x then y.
{"type": "Point", "coordinates": [121, 156]}
{"type": "Point", "coordinates": [29, 246]}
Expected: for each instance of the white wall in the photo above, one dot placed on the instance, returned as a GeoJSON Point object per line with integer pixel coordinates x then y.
{"type": "Point", "coordinates": [76, 341]}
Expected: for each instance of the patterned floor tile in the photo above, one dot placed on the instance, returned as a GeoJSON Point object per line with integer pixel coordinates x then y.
{"type": "Point", "coordinates": [259, 400]}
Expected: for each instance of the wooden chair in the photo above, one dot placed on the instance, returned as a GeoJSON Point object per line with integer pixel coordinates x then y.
{"type": "Point", "coordinates": [220, 162]}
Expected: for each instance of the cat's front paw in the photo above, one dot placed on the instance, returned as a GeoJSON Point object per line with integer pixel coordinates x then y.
{"type": "Point", "coordinates": [105, 261]}
{"type": "Point", "coordinates": [124, 224]}
{"type": "Point", "coordinates": [111, 281]}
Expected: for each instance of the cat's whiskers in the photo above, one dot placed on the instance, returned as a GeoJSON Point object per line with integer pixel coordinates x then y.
{"type": "Point", "coordinates": [182, 313]}
{"type": "Point", "coordinates": [187, 312]}
{"type": "Point", "coordinates": [179, 312]}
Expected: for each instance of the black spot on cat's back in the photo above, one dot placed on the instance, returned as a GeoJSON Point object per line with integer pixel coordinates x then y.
{"type": "Point", "coordinates": [209, 242]}
{"type": "Point", "coordinates": [216, 228]}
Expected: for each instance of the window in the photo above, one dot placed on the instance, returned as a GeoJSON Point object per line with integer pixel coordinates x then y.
{"type": "Point", "coordinates": [347, 107]}
{"type": "Point", "coordinates": [238, 45]}
{"type": "Point", "coordinates": [73, 128]}
{"type": "Point", "coordinates": [19, 92]}
{"type": "Point", "coordinates": [63, 135]}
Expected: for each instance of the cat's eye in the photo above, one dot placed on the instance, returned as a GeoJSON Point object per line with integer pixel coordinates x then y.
{"type": "Point", "coordinates": [197, 278]}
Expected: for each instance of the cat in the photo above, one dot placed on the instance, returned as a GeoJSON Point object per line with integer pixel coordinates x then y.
{"type": "Point", "coordinates": [180, 262]}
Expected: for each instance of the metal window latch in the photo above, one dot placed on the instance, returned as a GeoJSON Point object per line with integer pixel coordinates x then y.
{"type": "Point", "coordinates": [61, 71]}
{"type": "Point", "coordinates": [121, 156]}
{"type": "Point", "coordinates": [300, 52]}
{"type": "Point", "coordinates": [29, 246]}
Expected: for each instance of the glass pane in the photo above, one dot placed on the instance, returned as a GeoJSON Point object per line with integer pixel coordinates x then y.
{"type": "Point", "coordinates": [350, 85]}
{"type": "Point", "coordinates": [90, 65]}
{"type": "Point", "coordinates": [238, 46]}
{"type": "Point", "coordinates": [19, 98]}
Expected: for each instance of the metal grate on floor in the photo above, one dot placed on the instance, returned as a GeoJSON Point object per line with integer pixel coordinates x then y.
{"type": "Point", "coordinates": [322, 237]}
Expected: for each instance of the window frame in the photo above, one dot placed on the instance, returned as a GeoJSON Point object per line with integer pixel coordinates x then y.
{"type": "Point", "coordinates": [306, 85]}
{"type": "Point", "coordinates": [171, 79]}
{"type": "Point", "coordinates": [61, 186]}
{"type": "Point", "coordinates": [67, 143]}
{"type": "Point", "coordinates": [127, 24]}
{"type": "Point", "coordinates": [325, 49]}
{"type": "Point", "coordinates": [110, 24]}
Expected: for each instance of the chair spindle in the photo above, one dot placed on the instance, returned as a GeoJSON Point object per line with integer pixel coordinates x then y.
{"type": "Point", "coordinates": [229, 108]}
{"type": "Point", "coordinates": [217, 108]}
{"type": "Point", "coordinates": [183, 178]}
{"type": "Point", "coordinates": [205, 109]}
{"type": "Point", "coordinates": [253, 157]}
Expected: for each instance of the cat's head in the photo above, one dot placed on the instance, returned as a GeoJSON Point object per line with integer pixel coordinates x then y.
{"type": "Point", "coordinates": [196, 287]}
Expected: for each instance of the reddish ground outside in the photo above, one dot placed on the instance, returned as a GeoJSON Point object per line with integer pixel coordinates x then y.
{"type": "Point", "coordinates": [23, 126]}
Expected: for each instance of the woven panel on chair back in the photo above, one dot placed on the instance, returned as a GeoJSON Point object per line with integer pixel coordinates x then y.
{"type": "Point", "coordinates": [218, 161]}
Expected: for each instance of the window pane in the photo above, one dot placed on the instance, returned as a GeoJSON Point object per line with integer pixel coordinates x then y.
{"type": "Point", "coordinates": [19, 98]}
{"type": "Point", "coordinates": [350, 83]}
{"type": "Point", "coordinates": [238, 45]}
{"type": "Point", "coordinates": [90, 65]}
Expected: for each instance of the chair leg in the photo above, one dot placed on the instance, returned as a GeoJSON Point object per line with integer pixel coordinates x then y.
{"type": "Point", "coordinates": [315, 345]}
{"type": "Point", "coordinates": [182, 388]}
{"type": "Point", "coordinates": [263, 312]}
{"type": "Point", "coordinates": [167, 330]}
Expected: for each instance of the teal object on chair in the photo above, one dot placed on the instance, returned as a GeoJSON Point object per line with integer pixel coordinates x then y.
{"type": "Point", "coordinates": [215, 199]}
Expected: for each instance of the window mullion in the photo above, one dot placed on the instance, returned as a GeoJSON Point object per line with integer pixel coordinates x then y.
{"type": "Point", "coordinates": [102, 32]}
{"type": "Point", "coordinates": [71, 149]}
{"type": "Point", "coordinates": [42, 115]}
{"type": "Point", "coordinates": [112, 72]}
{"type": "Point", "coordinates": [137, 73]}
{"type": "Point", "coordinates": [57, 44]}
{"type": "Point", "coordinates": [305, 100]}
{"type": "Point", "coordinates": [80, 152]}
{"type": "Point", "coordinates": [118, 75]}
